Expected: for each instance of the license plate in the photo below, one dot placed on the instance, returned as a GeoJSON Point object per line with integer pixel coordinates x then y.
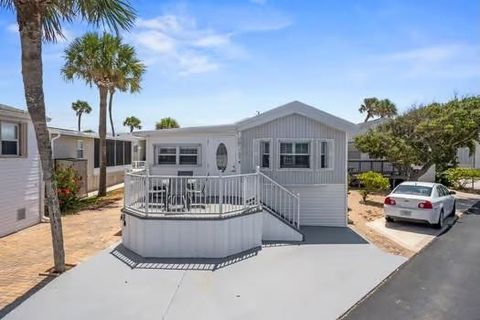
{"type": "Point", "coordinates": [405, 213]}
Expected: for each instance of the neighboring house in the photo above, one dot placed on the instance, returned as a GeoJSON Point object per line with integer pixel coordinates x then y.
{"type": "Point", "coordinates": [21, 191]}
{"type": "Point", "coordinates": [361, 162]}
{"type": "Point", "coordinates": [81, 150]}
{"type": "Point", "coordinates": [298, 146]}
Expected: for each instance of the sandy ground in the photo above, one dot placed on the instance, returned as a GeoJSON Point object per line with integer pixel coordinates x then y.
{"type": "Point", "coordinates": [360, 214]}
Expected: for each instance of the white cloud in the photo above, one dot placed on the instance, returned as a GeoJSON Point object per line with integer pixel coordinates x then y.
{"type": "Point", "coordinates": [179, 42]}
{"type": "Point", "coordinates": [13, 27]}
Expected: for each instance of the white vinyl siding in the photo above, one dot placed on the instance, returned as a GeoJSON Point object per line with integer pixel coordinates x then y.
{"type": "Point", "coordinates": [296, 128]}
{"type": "Point", "coordinates": [322, 205]}
{"type": "Point", "coordinates": [22, 175]}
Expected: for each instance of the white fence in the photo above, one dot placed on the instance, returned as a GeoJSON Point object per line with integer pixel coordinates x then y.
{"type": "Point", "coordinates": [204, 195]}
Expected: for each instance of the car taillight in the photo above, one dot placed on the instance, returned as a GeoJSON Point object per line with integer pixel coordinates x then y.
{"type": "Point", "coordinates": [425, 205]}
{"type": "Point", "coordinates": [389, 201]}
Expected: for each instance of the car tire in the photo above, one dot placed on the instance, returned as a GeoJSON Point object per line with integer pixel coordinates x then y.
{"type": "Point", "coordinates": [389, 219]}
{"type": "Point", "coordinates": [441, 218]}
{"type": "Point", "coordinates": [454, 209]}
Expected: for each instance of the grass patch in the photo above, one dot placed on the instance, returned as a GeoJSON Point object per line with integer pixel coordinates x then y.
{"type": "Point", "coordinates": [95, 203]}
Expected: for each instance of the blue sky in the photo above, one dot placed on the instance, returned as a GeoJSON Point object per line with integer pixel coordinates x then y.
{"type": "Point", "coordinates": [213, 62]}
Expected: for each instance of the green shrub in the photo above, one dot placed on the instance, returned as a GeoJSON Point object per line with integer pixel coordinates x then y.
{"type": "Point", "coordinates": [68, 186]}
{"type": "Point", "coordinates": [461, 177]}
{"type": "Point", "coordinates": [372, 182]}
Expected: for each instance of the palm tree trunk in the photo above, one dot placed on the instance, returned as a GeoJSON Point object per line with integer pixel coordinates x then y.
{"type": "Point", "coordinates": [102, 131]}
{"type": "Point", "coordinates": [131, 129]}
{"type": "Point", "coordinates": [29, 20]}
{"type": "Point", "coordinates": [110, 101]}
{"type": "Point", "coordinates": [79, 121]}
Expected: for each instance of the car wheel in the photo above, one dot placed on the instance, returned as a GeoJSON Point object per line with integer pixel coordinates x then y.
{"type": "Point", "coordinates": [454, 208]}
{"type": "Point", "coordinates": [439, 225]}
{"type": "Point", "coordinates": [388, 219]}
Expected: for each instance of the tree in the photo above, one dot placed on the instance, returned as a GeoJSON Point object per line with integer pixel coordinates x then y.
{"type": "Point", "coordinates": [386, 109]}
{"type": "Point", "coordinates": [132, 122]}
{"type": "Point", "coordinates": [97, 60]}
{"type": "Point", "coordinates": [167, 123]}
{"type": "Point", "coordinates": [80, 107]}
{"type": "Point", "coordinates": [372, 182]}
{"type": "Point", "coordinates": [126, 76]}
{"type": "Point", "coordinates": [369, 107]}
{"type": "Point", "coordinates": [374, 107]}
{"type": "Point", "coordinates": [42, 20]}
{"type": "Point", "coordinates": [425, 136]}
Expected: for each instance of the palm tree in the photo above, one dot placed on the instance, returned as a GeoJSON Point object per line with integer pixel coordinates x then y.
{"type": "Point", "coordinates": [132, 122]}
{"type": "Point", "coordinates": [80, 107]}
{"type": "Point", "coordinates": [369, 106]}
{"type": "Point", "coordinates": [386, 109]}
{"type": "Point", "coordinates": [167, 123]}
{"type": "Point", "coordinates": [96, 60]}
{"type": "Point", "coordinates": [127, 75]}
{"type": "Point", "coordinates": [42, 20]}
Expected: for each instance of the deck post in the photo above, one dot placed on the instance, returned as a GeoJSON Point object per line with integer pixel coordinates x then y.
{"type": "Point", "coordinates": [220, 196]}
{"type": "Point", "coordinates": [147, 191]}
{"type": "Point", "coordinates": [257, 186]}
{"type": "Point", "coordinates": [298, 210]}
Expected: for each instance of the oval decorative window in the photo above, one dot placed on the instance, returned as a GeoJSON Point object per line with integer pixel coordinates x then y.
{"type": "Point", "coordinates": [222, 157]}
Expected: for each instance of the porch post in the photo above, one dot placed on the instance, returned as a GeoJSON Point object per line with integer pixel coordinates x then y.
{"type": "Point", "coordinates": [298, 210]}
{"type": "Point", "coordinates": [147, 191]}
{"type": "Point", "coordinates": [220, 200]}
{"type": "Point", "coordinates": [257, 186]}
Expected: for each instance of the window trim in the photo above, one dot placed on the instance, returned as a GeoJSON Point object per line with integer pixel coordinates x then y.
{"type": "Point", "coordinates": [80, 144]}
{"type": "Point", "coordinates": [311, 153]}
{"type": "Point", "coordinates": [257, 156]}
{"type": "Point", "coordinates": [331, 152]}
{"type": "Point", "coordinates": [18, 140]}
{"type": "Point", "coordinates": [177, 147]}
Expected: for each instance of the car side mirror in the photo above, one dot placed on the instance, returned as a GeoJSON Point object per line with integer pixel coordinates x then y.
{"type": "Point", "coordinates": [452, 192]}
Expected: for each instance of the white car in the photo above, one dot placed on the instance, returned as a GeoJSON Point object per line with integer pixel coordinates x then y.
{"type": "Point", "coordinates": [420, 201]}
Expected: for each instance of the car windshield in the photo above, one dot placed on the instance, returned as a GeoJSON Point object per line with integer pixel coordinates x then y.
{"type": "Point", "coordinates": [414, 190]}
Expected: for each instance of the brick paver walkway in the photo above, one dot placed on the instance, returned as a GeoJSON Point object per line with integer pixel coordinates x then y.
{"type": "Point", "coordinates": [27, 253]}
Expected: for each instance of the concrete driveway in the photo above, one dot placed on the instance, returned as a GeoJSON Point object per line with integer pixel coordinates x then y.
{"type": "Point", "coordinates": [441, 282]}
{"type": "Point", "coordinates": [415, 236]}
{"type": "Point", "coordinates": [319, 279]}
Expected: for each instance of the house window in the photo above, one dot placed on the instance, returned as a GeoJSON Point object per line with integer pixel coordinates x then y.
{"type": "Point", "coordinates": [167, 155]}
{"type": "Point", "coordinates": [222, 157]}
{"type": "Point", "coordinates": [294, 155]}
{"type": "Point", "coordinates": [79, 149]}
{"type": "Point", "coordinates": [188, 155]}
{"type": "Point", "coordinates": [326, 154]}
{"type": "Point", "coordinates": [265, 154]}
{"type": "Point", "coordinates": [9, 136]}
{"type": "Point", "coordinates": [185, 155]}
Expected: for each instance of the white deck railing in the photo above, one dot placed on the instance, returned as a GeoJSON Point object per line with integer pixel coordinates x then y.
{"type": "Point", "coordinates": [206, 195]}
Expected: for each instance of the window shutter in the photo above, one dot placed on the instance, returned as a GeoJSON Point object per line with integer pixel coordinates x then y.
{"type": "Point", "coordinates": [23, 139]}
{"type": "Point", "coordinates": [256, 153]}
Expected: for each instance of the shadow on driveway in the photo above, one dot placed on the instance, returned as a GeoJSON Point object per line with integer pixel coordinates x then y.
{"type": "Point", "coordinates": [313, 236]}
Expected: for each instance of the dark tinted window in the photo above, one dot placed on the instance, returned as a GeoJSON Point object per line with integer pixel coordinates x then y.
{"type": "Point", "coordinates": [110, 153]}
{"type": "Point", "coordinates": [96, 153]}
{"type": "Point", "coordinates": [128, 152]}
{"type": "Point", "coordinates": [119, 160]}
{"type": "Point", "coordinates": [413, 190]}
